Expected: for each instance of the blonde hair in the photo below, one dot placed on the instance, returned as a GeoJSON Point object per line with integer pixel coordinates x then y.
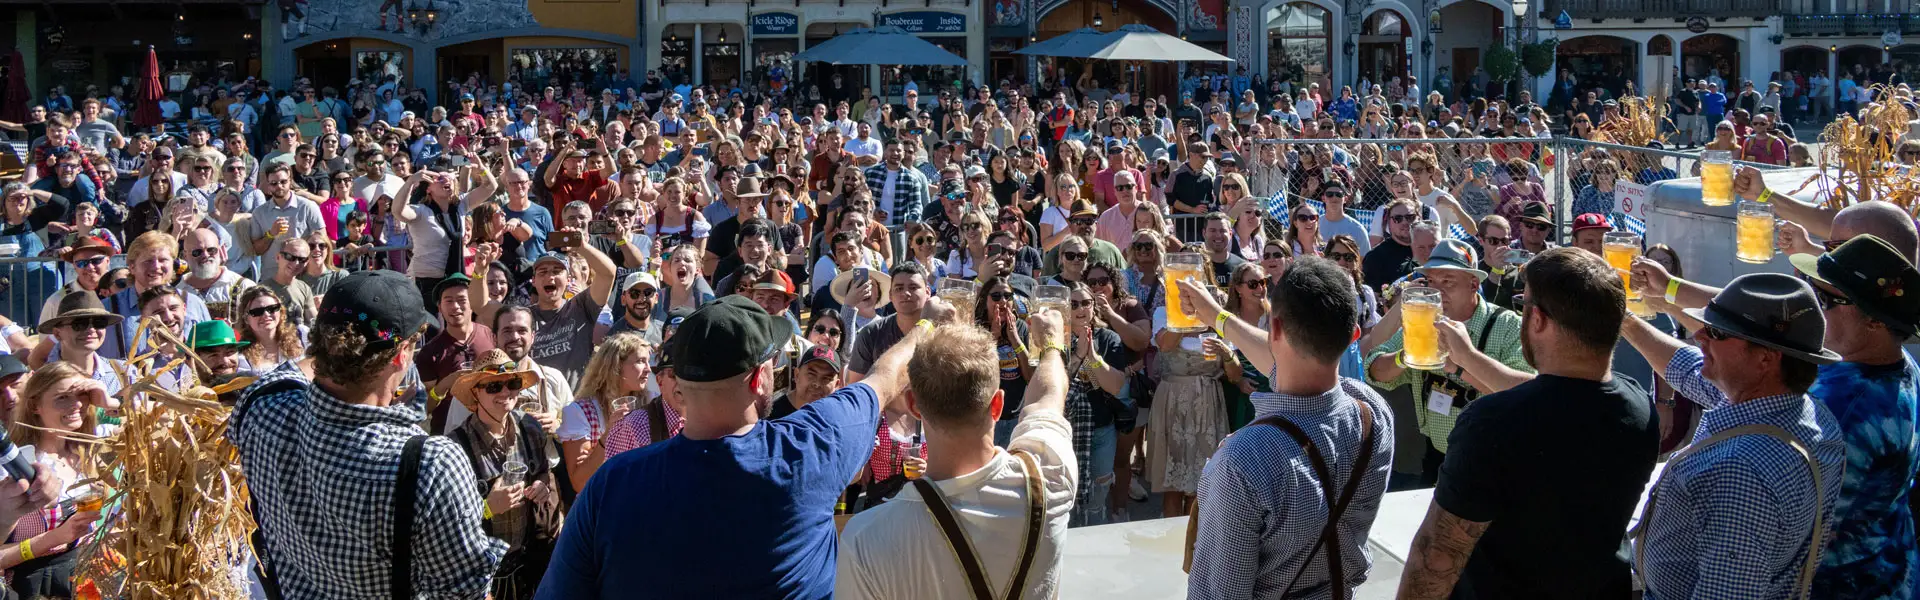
{"type": "Point", "coordinates": [25, 427]}
{"type": "Point", "coordinates": [149, 243]}
{"type": "Point", "coordinates": [956, 372]}
{"type": "Point", "coordinates": [600, 383]}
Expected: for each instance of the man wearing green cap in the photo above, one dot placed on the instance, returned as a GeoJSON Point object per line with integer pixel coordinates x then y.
{"type": "Point", "coordinates": [213, 341]}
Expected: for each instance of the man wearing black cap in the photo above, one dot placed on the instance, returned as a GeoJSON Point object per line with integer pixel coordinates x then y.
{"type": "Point", "coordinates": [818, 375]}
{"type": "Point", "coordinates": [358, 417]}
{"type": "Point", "coordinates": [13, 378]}
{"type": "Point", "coordinates": [460, 340]}
{"type": "Point", "coordinates": [1866, 288]}
{"type": "Point", "coordinates": [565, 325]}
{"type": "Point", "coordinates": [1744, 510]}
{"type": "Point", "coordinates": [771, 518]}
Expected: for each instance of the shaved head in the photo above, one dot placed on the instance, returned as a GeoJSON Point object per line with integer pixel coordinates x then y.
{"type": "Point", "coordinates": [1882, 219]}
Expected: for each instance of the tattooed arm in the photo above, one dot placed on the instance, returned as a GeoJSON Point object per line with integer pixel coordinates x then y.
{"type": "Point", "coordinates": [1439, 554]}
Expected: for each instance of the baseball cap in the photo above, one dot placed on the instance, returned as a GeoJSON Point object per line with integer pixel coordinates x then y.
{"type": "Point", "coordinates": [976, 171]}
{"type": "Point", "coordinates": [466, 96]}
{"type": "Point", "coordinates": [1590, 221]}
{"type": "Point", "coordinates": [678, 315]}
{"type": "Point", "coordinates": [456, 279]}
{"type": "Point", "coordinates": [726, 338]}
{"type": "Point", "coordinates": [639, 277]}
{"type": "Point", "coordinates": [383, 305]}
{"type": "Point", "coordinates": [815, 354]}
{"type": "Point", "coordinates": [10, 365]}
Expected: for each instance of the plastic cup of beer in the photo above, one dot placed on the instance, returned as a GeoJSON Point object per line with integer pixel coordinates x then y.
{"type": "Point", "coordinates": [514, 470]}
{"type": "Point", "coordinates": [1753, 233]}
{"type": "Point", "coordinates": [625, 404]}
{"type": "Point", "coordinates": [531, 406]}
{"type": "Point", "coordinates": [91, 500]}
{"type": "Point", "coordinates": [910, 468]}
{"type": "Point", "coordinates": [961, 293]}
{"type": "Point", "coordinates": [1517, 257]}
{"type": "Point", "coordinates": [1716, 177]}
{"type": "Point", "coordinates": [1418, 313]}
{"type": "Point", "coordinates": [1183, 265]}
{"type": "Point", "coordinates": [1620, 248]}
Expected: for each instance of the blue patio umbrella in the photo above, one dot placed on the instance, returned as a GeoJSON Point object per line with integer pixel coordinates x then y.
{"type": "Point", "coordinates": [1079, 42]}
{"type": "Point", "coordinates": [880, 46]}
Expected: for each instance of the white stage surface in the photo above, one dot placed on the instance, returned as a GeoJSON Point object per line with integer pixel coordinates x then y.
{"type": "Point", "coordinates": [1141, 560]}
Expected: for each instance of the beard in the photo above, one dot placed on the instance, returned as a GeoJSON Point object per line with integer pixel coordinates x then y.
{"type": "Point", "coordinates": [516, 351]}
{"type": "Point", "coordinates": [208, 270]}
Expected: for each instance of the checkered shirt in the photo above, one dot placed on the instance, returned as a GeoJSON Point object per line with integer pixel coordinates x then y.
{"type": "Point", "coordinates": [1261, 506]}
{"type": "Point", "coordinates": [1731, 521]}
{"type": "Point", "coordinates": [322, 474]}
{"type": "Point", "coordinates": [910, 193]}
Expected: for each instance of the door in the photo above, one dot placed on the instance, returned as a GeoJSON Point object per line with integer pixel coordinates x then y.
{"type": "Point", "coordinates": [326, 68]}
{"type": "Point", "coordinates": [1465, 60]}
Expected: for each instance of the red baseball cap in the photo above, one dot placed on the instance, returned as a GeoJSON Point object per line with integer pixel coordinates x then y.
{"type": "Point", "coordinates": [1590, 221]}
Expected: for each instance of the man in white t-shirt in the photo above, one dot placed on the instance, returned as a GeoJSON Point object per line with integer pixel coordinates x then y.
{"type": "Point", "coordinates": [896, 551]}
{"type": "Point", "coordinates": [863, 144]}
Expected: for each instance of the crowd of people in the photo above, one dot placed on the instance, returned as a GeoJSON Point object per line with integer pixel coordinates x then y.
{"type": "Point", "coordinates": [507, 336]}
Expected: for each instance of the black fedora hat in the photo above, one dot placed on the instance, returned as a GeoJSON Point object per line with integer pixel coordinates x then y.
{"type": "Point", "coordinates": [1774, 310]}
{"type": "Point", "coordinates": [1874, 276]}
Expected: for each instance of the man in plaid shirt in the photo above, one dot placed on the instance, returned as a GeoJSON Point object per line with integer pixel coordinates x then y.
{"type": "Point", "coordinates": [322, 459]}
{"type": "Point", "coordinates": [899, 192]}
{"type": "Point", "coordinates": [58, 142]}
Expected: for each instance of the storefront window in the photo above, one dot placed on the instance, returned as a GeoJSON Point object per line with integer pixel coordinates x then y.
{"type": "Point", "coordinates": [931, 80]}
{"type": "Point", "coordinates": [773, 63]}
{"type": "Point", "coordinates": [677, 54]}
{"type": "Point", "coordinates": [376, 65]}
{"type": "Point", "coordinates": [1299, 48]}
{"type": "Point", "coordinates": [722, 63]}
{"type": "Point", "coordinates": [1710, 55]}
{"type": "Point", "coordinates": [537, 68]}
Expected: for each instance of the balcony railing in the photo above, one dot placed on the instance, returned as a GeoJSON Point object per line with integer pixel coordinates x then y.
{"type": "Point", "coordinates": [1804, 25]}
{"type": "Point", "coordinates": [1650, 9]}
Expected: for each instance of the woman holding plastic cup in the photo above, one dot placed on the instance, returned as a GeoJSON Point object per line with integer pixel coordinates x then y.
{"type": "Point", "coordinates": [620, 368]}
{"type": "Point", "coordinates": [58, 399]}
{"type": "Point", "coordinates": [508, 452]}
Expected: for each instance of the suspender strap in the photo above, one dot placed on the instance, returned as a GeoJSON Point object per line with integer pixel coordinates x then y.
{"type": "Point", "coordinates": [1336, 506]}
{"type": "Point", "coordinates": [406, 490]}
{"type": "Point", "coordinates": [963, 547]}
{"type": "Point", "coordinates": [656, 421]}
{"type": "Point", "coordinates": [1805, 581]}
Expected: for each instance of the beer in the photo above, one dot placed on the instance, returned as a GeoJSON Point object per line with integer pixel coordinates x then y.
{"type": "Point", "coordinates": [1051, 297]}
{"type": "Point", "coordinates": [514, 471]}
{"type": "Point", "coordinates": [961, 293]}
{"type": "Point", "coordinates": [91, 500]}
{"type": "Point", "coordinates": [1183, 265]}
{"type": "Point", "coordinates": [1620, 248]}
{"type": "Point", "coordinates": [915, 449]}
{"type": "Point", "coordinates": [1419, 311]}
{"type": "Point", "coordinates": [1753, 233]}
{"type": "Point", "coordinates": [1716, 177]}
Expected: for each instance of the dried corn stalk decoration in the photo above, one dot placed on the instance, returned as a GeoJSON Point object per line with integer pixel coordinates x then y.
{"type": "Point", "coordinates": [1859, 162]}
{"type": "Point", "coordinates": [179, 523]}
{"type": "Point", "coordinates": [1641, 121]}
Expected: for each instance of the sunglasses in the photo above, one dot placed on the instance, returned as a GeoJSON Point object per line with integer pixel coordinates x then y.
{"type": "Point", "coordinates": [824, 330]}
{"type": "Point", "coordinates": [84, 323]}
{"type": "Point", "coordinates": [1002, 296]}
{"type": "Point", "coordinates": [264, 310]}
{"type": "Point", "coordinates": [1231, 186]}
{"type": "Point", "coordinates": [122, 283]}
{"type": "Point", "coordinates": [1009, 219]}
{"type": "Point", "coordinates": [1536, 226]}
{"type": "Point", "coordinates": [1331, 195]}
{"type": "Point", "coordinates": [195, 169]}
{"type": "Point", "coordinates": [922, 240]}
{"type": "Point", "coordinates": [204, 252]}
{"type": "Point", "coordinates": [1254, 284]}
{"type": "Point", "coordinates": [1274, 255]}
{"type": "Point", "coordinates": [1079, 304]}
{"type": "Point", "coordinates": [1122, 186]}
{"type": "Point", "coordinates": [1144, 246]}
{"type": "Point", "coordinates": [293, 259]}
{"type": "Point", "coordinates": [1715, 334]}
{"type": "Point", "coordinates": [1073, 256]}
{"type": "Point", "coordinates": [1342, 256]}
{"type": "Point", "coordinates": [972, 227]}
{"type": "Point", "coordinates": [495, 387]}
{"type": "Point", "coordinates": [625, 214]}
{"type": "Point", "coordinates": [1099, 281]}
{"type": "Point", "coordinates": [641, 293]}
{"type": "Point", "coordinates": [1401, 218]}
{"type": "Point", "coordinates": [1306, 218]}
{"type": "Point", "coordinates": [1084, 221]}
{"type": "Point", "coordinates": [88, 263]}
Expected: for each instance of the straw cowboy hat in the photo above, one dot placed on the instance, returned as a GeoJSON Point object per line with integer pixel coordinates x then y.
{"type": "Point", "coordinates": [492, 366]}
{"type": "Point", "coordinates": [842, 286]}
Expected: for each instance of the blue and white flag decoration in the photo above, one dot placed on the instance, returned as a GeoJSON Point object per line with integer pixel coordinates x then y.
{"type": "Point", "coordinates": [1277, 208]}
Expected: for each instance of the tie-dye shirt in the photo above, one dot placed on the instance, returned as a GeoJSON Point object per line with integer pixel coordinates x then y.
{"type": "Point", "coordinates": [1872, 552]}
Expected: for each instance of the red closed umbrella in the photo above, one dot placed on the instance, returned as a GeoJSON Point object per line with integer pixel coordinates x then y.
{"type": "Point", "coordinates": [13, 107]}
{"type": "Point", "coordinates": [147, 112]}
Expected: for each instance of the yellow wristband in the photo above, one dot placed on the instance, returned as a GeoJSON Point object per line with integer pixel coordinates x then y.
{"type": "Point", "coordinates": [1220, 323]}
{"type": "Point", "coordinates": [1056, 345]}
{"type": "Point", "coordinates": [1399, 360]}
{"type": "Point", "coordinates": [486, 512]}
{"type": "Point", "coordinates": [1020, 349]}
{"type": "Point", "coordinates": [1765, 195]}
{"type": "Point", "coordinates": [924, 325]}
{"type": "Point", "coordinates": [26, 550]}
{"type": "Point", "coordinates": [620, 242]}
{"type": "Point", "coordinates": [1673, 290]}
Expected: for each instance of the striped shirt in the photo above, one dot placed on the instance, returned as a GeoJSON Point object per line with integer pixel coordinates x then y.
{"type": "Point", "coordinates": [1503, 344]}
{"type": "Point", "coordinates": [1261, 505]}
{"type": "Point", "coordinates": [1732, 520]}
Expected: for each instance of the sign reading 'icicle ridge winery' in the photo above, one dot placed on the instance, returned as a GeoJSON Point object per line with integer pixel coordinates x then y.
{"type": "Point", "coordinates": [926, 22]}
{"type": "Point", "coordinates": [776, 23]}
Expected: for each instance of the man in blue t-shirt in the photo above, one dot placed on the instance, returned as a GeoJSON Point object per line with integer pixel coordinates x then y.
{"type": "Point", "coordinates": [734, 506]}
{"type": "Point", "coordinates": [1713, 104]}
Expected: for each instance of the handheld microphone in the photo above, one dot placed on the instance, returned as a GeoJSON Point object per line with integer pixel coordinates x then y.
{"type": "Point", "coordinates": [13, 460]}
